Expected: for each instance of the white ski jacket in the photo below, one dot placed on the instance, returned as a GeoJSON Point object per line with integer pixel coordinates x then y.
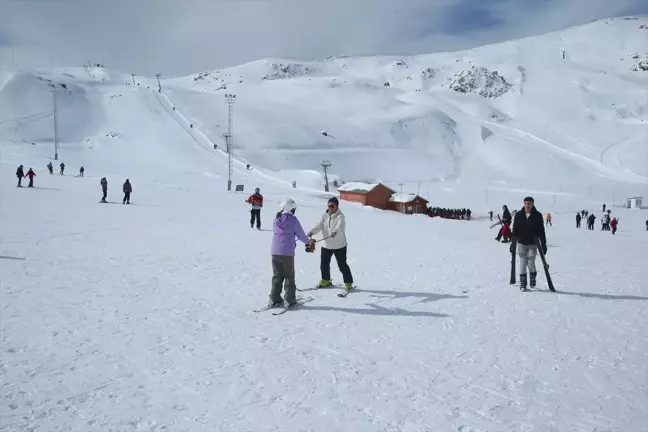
{"type": "Point", "coordinates": [329, 225]}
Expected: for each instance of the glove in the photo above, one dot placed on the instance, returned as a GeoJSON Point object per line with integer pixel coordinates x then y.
{"type": "Point", "coordinates": [544, 249]}
{"type": "Point", "coordinates": [333, 234]}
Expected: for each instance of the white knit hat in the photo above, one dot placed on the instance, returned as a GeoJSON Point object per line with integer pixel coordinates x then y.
{"type": "Point", "coordinates": [288, 205]}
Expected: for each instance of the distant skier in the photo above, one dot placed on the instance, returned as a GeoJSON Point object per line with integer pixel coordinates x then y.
{"type": "Point", "coordinates": [506, 218]}
{"type": "Point", "coordinates": [332, 225]}
{"type": "Point", "coordinates": [31, 174]}
{"type": "Point", "coordinates": [590, 221]}
{"type": "Point", "coordinates": [549, 220]}
{"type": "Point", "coordinates": [286, 228]}
{"type": "Point", "coordinates": [62, 168]}
{"type": "Point", "coordinates": [256, 200]}
{"type": "Point", "coordinates": [128, 189]}
{"type": "Point", "coordinates": [646, 224]}
{"type": "Point", "coordinates": [490, 214]}
{"type": "Point", "coordinates": [104, 189]}
{"type": "Point", "coordinates": [526, 227]}
{"type": "Point", "coordinates": [20, 173]}
{"type": "Point", "coordinates": [603, 208]}
{"type": "Point", "coordinates": [50, 168]}
{"type": "Point", "coordinates": [81, 171]}
{"type": "Point", "coordinates": [578, 220]}
{"type": "Point", "coordinates": [614, 224]}
{"type": "Point", "coordinates": [468, 214]}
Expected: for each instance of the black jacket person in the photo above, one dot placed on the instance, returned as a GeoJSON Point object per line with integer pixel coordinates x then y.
{"type": "Point", "coordinates": [527, 225]}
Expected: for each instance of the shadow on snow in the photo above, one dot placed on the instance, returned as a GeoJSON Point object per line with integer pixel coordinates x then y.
{"type": "Point", "coordinates": [595, 296]}
{"type": "Point", "coordinates": [376, 310]}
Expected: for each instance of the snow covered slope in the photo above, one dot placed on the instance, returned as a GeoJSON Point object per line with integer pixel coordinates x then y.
{"type": "Point", "coordinates": [509, 115]}
{"type": "Point", "coordinates": [139, 318]}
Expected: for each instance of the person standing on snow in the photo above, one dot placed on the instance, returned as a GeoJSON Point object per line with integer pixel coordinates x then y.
{"type": "Point", "coordinates": [62, 168]}
{"type": "Point", "coordinates": [104, 189]}
{"type": "Point", "coordinates": [578, 220]}
{"type": "Point", "coordinates": [50, 168]}
{"type": "Point", "coordinates": [256, 200]}
{"type": "Point", "coordinates": [332, 225]}
{"type": "Point", "coordinates": [81, 171]}
{"type": "Point", "coordinates": [506, 218]}
{"type": "Point", "coordinates": [590, 221]}
{"type": "Point", "coordinates": [20, 173]}
{"type": "Point", "coordinates": [31, 174]}
{"type": "Point", "coordinates": [127, 188]}
{"type": "Point", "coordinates": [603, 208]}
{"type": "Point", "coordinates": [613, 224]}
{"type": "Point", "coordinates": [549, 220]}
{"type": "Point", "coordinates": [286, 228]}
{"type": "Point", "coordinates": [490, 214]}
{"type": "Point", "coordinates": [527, 226]}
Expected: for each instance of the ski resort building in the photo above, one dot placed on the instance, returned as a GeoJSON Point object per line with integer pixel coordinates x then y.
{"type": "Point", "coordinates": [634, 202]}
{"type": "Point", "coordinates": [408, 204]}
{"type": "Point", "coordinates": [369, 194]}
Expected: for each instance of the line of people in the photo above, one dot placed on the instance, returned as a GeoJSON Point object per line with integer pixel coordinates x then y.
{"type": "Point", "coordinates": [449, 213]}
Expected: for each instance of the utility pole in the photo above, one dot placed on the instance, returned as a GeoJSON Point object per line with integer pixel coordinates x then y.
{"type": "Point", "coordinates": [133, 75]}
{"type": "Point", "coordinates": [159, 85]}
{"type": "Point", "coordinates": [401, 189]}
{"type": "Point", "coordinates": [230, 99]}
{"type": "Point", "coordinates": [56, 127]}
{"type": "Point", "coordinates": [326, 165]}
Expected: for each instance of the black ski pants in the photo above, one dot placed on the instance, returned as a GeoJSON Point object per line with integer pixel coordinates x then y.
{"type": "Point", "coordinates": [341, 258]}
{"type": "Point", "coordinates": [31, 182]}
{"type": "Point", "coordinates": [19, 180]}
{"type": "Point", "coordinates": [105, 194]}
{"type": "Point", "coordinates": [126, 198]}
{"type": "Point", "coordinates": [255, 214]}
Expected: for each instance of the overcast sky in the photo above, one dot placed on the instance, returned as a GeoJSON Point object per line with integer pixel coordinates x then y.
{"type": "Point", "coordinates": [179, 37]}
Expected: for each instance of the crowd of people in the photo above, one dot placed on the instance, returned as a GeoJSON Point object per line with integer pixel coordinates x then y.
{"type": "Point", "coordinates": [449, 213]}
{"type": "Point", "coordinates": [127, 188]}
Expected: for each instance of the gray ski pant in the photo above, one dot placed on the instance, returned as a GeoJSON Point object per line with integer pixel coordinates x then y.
{"type": "Point", "coordinates": [527, 256]}
{"type": "Point", "coordinates": [283, 276]}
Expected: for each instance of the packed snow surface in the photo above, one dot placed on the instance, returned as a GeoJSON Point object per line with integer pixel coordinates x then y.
{"type": "Point", "coordinates": [139, 317]}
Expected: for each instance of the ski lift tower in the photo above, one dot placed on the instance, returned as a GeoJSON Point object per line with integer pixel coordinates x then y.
{"type": "Point", "coordinates": [56, 120]}
{"type": "Point", "coordinates": [230, 99]}
{"type": "Point", "coordinates": [326, 165]}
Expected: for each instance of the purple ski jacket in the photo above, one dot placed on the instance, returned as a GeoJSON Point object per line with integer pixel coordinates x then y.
{"type": "Point", "coordinates": [286, 228]}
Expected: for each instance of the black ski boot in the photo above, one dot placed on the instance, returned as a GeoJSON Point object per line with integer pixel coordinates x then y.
{"type": "Point", "coordinates": [523, 282]}
{"type": "Point", "coordinates": [533, 279]}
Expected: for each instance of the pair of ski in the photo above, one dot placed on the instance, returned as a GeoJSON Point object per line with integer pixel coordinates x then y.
{"type": "Point", "coordinates": [542, 257]}
{"type": "Point", "coordinates": [283, 310]}
{"type": "Point", "coordinates": [343, 294]}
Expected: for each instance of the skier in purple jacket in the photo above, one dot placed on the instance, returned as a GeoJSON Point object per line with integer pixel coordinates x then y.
{"type": "Point", "coordinates": [286, 227]}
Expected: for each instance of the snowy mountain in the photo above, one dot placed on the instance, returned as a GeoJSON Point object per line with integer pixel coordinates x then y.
{"type": "Point", "coordinates": [139, 318]}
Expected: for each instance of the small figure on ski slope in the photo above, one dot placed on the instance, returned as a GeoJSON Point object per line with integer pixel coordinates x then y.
{"type": "Point", "coordinates": [604, 208]}
{"type": "Point", "coordinates": [286, 228]}
{"type": "Point", "coordinates": [506, 217]}
{"type": "Point", "coordinates": [31, 174]}
{"type": "Point", "coordinates": [590, 221]}
{"type": "Point", "coordinates": [62, 168]}
{"type": "Point", "coordinates": [614, 224]}
{"type": "Point", "coordinates": [527, 226]}
{"type": "Point", "coordinates": [20, 173]}
{"type": "Point", "coordinates": [549, 220]}
{"type": "Point", "coordinates": [50, 168]}
{"type": "Point", "coordinates": [256, 200]}
{"type": "Point", "coordinates": [128, 189]}
{"type": "Point", "coordinates": [104, 189]}
{"type": "Point", "coordinates": [332, 225]}
{"type": "Point", "coordinates": [646, 224]}
{"type": "Point", "coordinates": [81, 171]}
{"type": "Point", "coordinates": [490, 214]}
{"type": "Point", "coordinates": [578, 220]}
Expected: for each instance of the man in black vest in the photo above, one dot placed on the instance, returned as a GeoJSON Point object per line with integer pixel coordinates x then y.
{"type": "Point", "coordinates": [528, 225]}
